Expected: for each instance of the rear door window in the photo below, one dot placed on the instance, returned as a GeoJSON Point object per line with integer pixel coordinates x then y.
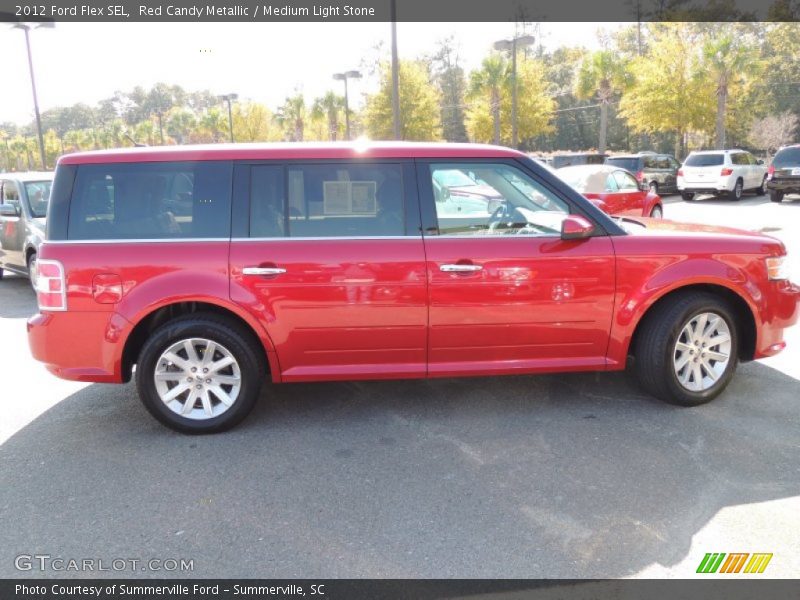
{"type": "Point", "coordinates": [151, 201]}
{"type": "Point", "coordinates": [704, 160]}
{"type": "Point", "coordinates": [327, 200]}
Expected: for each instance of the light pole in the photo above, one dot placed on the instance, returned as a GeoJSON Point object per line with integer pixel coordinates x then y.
{"type": "Point", "coordinates": [505, 45]}
{"type": "Point", "coordinates": [344, 77]}
{"type": "Point", "coordinates": [229, 98]}
{"type": "Point", "coordinates": [395, 74]}
{"type": "Point", "coordinates": [27, 28]}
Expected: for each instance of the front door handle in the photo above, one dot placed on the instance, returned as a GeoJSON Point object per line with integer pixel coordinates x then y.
{"type": "Point", "coordinates": [460, 268]}
{"type": "Point", "coordinates": [261, 271]}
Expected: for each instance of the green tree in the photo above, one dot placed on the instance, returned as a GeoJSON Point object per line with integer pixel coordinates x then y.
{"type": "Point", "coordinates": [253, 122]}
{"type": "Point", "coordinates": [329, 107]}
{"type": "Point", "coordinates": [602, 74]}
{"type": "Point", "coordinates": [489, 112]}
{"type": "Point", "coordinates": [452, 83]}
{"type": "Point", "coordinates": [291, 116]}
{"type": "Point", "coordinates": [728, 59]}
{"type": "Point", "coordinates": [669, 91]}
{"type": "Point", "coordinates": [420, 115]}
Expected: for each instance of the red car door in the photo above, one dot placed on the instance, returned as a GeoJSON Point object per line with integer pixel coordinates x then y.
{"type": "Point", "coordinates": [506, 293]}
{"type": "Point", "coordinates": [331, 261]}
{"type": "Point", "coordinates": [633, 196]}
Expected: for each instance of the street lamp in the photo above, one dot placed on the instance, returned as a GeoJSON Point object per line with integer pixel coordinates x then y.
{"type": "Point", "coordinates": [344, 77]}
{"type": "Point", "coordinates": [229, 98]}
{"type": "Point", "coordinates": [511, 45]}
{"type": "Point", "coordinates": [27, 28]}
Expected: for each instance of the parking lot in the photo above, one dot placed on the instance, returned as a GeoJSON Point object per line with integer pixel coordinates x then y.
{"type": "Point", "coordinates": [576, 475]}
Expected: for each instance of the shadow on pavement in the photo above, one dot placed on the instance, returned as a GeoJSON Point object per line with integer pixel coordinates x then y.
{"type": "Point", "coordinates": [549, 476]}
{"type": "Point", "coordinates": [19, 300]}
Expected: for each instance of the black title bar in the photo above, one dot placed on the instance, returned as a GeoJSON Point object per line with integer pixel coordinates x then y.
{"type": "Point", "coordinates": [445, 11]}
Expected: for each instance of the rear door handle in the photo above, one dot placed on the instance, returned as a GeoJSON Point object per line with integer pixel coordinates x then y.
{"type": "Point", "coordinates": [460, 268]}
{"type": "Point", "coordinates": [263, 271]}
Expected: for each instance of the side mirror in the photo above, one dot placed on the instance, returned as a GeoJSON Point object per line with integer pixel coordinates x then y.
{"type": "Point", "coordinates": [576, 228]}
{"type": "Point", "coordinates": [9, 210]}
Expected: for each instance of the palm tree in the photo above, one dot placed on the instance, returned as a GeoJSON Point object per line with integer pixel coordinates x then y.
{"type": "Point", "coordinates": [490, 79]}
{"type": "Point", "coordinates": [329, 105]}
{"type": "Point", "coordinates": [291, 116]}
{"type": "Point", "coordinates": [727, 60]}
{"type": "Point", "coordinates": [600, 74]}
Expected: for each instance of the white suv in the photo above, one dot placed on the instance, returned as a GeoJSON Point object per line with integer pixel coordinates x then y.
{"type": "Point", "coordinates": [729, 172]}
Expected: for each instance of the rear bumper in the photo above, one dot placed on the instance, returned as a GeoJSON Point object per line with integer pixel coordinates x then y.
{"type": "Point", "coordinates": [782, 312]}
{"type": "Point", "coordinates": [712, 186]}
{"type": "Point", "coordinates": [80, 346]}
{"type": "Point", "coordinates": [787, 186]}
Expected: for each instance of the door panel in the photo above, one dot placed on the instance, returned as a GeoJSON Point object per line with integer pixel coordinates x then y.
{"type": "Point", "coordinates": [336, 275]}
{"type": "Point", "coordinates": [12, 229]}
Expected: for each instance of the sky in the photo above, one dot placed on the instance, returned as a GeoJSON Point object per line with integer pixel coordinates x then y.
{"type": "Point", "coordinates": [265, 62]}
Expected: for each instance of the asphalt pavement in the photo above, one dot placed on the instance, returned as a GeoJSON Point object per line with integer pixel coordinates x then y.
{"type": "Point", "coordinates": [576, 475]}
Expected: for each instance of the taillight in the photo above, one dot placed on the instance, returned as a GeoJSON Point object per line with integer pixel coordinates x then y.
{"type": "Point", "coordinates": [726, 171]}
{"type": "Point", "coordinates": [680, 172]}
{"type": "Point", "coordinates": [771, 170]}
{"type": "Point", "coordinates": [777, 269]}
{"type": "Point", "coordinates": [51, 288]}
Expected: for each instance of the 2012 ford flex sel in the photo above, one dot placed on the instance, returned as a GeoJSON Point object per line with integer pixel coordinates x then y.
{"type": "Point", "coordinates": [204, 269]}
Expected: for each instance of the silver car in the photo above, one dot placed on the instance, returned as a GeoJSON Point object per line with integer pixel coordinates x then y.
{"type": "Point", "coordinates": [23, 209]}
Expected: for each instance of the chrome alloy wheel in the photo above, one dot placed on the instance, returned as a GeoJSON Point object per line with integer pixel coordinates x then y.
{"type": "Point", "coordinates": [702, 352]}
{"type": "Point", "coordinates": [197, 378]}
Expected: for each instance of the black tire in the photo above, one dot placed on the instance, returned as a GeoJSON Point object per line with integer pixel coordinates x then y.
{"type": "Point", "coordinates": [657, 212]}
{"type": "Point", "coordinates": [763, 189]}
{"type": "Point", "coordinates": [656, 341]}
{"type": "Point", "coordinates": [688, 196]}
{"type": "Point", "coordinates": [775, 196]}
{"type": "Point", "coordinates": [240, 342]}
{"type": "Point", "coordinates": [653, 187]}
{"type": "Point", "coordinates": [1, 273]}
{"type": "Point", "coordinates": [736, 192]}
{"type": "Point", "coordinates": [31, 263]}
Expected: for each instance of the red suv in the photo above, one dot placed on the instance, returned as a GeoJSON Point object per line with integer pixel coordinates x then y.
{"type": "Point", "coordinates": [203, 269]}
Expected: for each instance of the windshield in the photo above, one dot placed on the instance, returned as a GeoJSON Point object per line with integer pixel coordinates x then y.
{"type": "Point", "coordinates": [453, 178]}
{"type": "Point", "coordinates": [704, 160]}
{"type": "Point", "coordinates": [38, 193]}
{"type": "Point", "coordinates": [630, 164]}
{"type": "Point", "coordinates": [789, 157]}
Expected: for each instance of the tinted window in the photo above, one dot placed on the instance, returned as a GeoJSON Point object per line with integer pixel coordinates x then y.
{"type": "Point", "coordinates": [788, 157]}
{"type": "Point", "coordinates": [331, 200]}
{"type": "Point", "coordinates": [151, 201]}
{"type": "Point", "coordinates": [38, 193]}
{"type": "Point", "coordinates": [505, 200]}
{"type": "Point", "coordinates": [704, 160]}
{"type": "Point", "coordinates": [10, 193]}
{"type": "Point", "coordinates": [650, 162]}
{"type": "Point", "coordinates": [739, 159]}
{"type": "Point", "coordinates": [631, 164]}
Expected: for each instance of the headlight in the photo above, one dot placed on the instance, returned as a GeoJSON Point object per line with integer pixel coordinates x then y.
{"type": "Point", "coordinates": [777, 268]}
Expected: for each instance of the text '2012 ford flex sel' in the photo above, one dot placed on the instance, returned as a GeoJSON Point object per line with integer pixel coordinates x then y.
{"type": "Point", "coordinates": [203, 269]}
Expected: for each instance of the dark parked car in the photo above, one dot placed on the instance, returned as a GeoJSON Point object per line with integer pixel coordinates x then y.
{"type": "Point", "coordinates": [659, 172]}
{"type": "Point", "coordinates": [783, 176]}
{"type": "Point", "coordinates": [22, 219]}
{"type": "Point", "coordinates": [578, 158]}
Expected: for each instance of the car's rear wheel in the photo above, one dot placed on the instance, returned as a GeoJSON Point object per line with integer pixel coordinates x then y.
{"type": "Point", "coordinates": [736, 192]}
{"type": "Point", "coordinates": [775, 196]}
{"type": "Point", "coordinates": [763, 188]}
{"type": "Point", "coordinates": [688, 196]}
{"type": "Point", "coordinates": [653, 187]}
{"type": "Point", "coordinates": [32, 271]}
{"type": "Point", "coordinates": [200, 373]}
{"type": "Point", "coordinates": [657, 212]}
{"type": "Point", "coordinates": [687, 349]}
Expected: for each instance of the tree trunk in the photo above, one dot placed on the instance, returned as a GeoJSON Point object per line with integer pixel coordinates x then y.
{"type": "Point", "coordinates": [722, 101]}
{"type": "Point", "coordinates": [496, 115]}
{"type": "Point", "coordinates": [678, 145]}
{"type": "Point", "coordinates": [603, 125]}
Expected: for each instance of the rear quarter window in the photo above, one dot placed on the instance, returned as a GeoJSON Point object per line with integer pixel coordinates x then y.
{"type": "Point", "coordinates": [151, 201]}
{"type": "Point", "coordinates": [704, 160]}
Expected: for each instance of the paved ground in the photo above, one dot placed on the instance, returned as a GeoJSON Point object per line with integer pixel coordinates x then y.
{"type": "Point", "coordinates": [550, 476]}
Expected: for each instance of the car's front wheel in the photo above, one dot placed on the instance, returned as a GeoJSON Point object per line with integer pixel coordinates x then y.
{"type": "Point", "coordinates": [32, 271]}
{"type": "Point", "coordinates": [657, 212]}
{"type": "Point", "coordinates": [688, 196]}
{"type": "Point", "coordinates": [200, 373]}
{"type": "Point", "coordinates": [687, 349]}
{"type": "Point", "coordinates": [653, 187]}
{"type": "Point", "coordinates": [775, 196]}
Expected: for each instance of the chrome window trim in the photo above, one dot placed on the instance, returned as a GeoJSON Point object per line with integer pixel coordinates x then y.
{"type": "Point", "coordinates": [138, 241]}
{"type": "Point", "coordinates": [322, 239]}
